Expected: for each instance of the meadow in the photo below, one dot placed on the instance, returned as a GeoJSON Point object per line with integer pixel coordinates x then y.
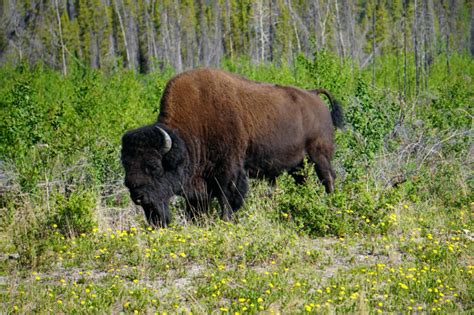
{"type": "Point", "coordinates": [395, 237]}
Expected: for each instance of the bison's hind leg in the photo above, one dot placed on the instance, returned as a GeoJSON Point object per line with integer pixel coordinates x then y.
{"type": "Point", "coordinates": [322, 164]}
{"type": "Point", "coordinates": [233, 191]}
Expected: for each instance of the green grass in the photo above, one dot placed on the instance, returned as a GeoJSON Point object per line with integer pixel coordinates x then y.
{"type": "Point", "coordinates": [396, 236]}
{"type": "Point", "coordinates": [422, 263]}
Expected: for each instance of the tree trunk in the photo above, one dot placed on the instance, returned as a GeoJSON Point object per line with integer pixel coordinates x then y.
{"type": "Point", "coordinates": [217, 43]}
{"type": "Point", "coordinates": [177, 38]}
{"type": "Point", "coordinates": [373, 41]}
{"type": "Point", "coordinates": [404, 49]}
{"type": "Point", "coordinates": [202, 39]}
{"type": "Point", "coordinates": [124, 36]}
{"type": "Point", "coordinates": [270, 32]}
{"type": "Point", "coordinates": [322, 24]}
{"type": "Point", "coordinates": [229, 47]}
{"type": "Point", "coordinates": [63, 48]}
{"type": "Point", "coordinates": [262, 33]}
{"type": "Point", "coordinates": [415, 48]}
{"type": "Point", "coordinates": [165, 35]}
{"type": "Point", "coordinates": [316, 19]}
{"type": "Point", "coordinates": [350, 21]}
{"type": "Point", "coordinates": [339, 30]}
{"type": "Point", "coordinates": [428, 39]}
{"type": "Point", "coordinates": [298, 42]}
{"type": "Point", "coordinates": [472, 32]}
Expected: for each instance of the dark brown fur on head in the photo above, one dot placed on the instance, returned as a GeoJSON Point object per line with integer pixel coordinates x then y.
{"type": "Point", "coordinates": [151, 176]}
{"type": "Point", "coordinates": [225, 128]}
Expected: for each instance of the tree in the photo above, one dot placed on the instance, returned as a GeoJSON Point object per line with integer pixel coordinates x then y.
{"type": "Point", "coordinates": [415, 46]}
{"type": "Point", "coordinates": [137, 34]}
{"type": "Point", "coordinates": [471, 38]}
{"type": "Point", "coordinates": [124, 34]}
{"type": "Point", "coordinates": [60, 30]}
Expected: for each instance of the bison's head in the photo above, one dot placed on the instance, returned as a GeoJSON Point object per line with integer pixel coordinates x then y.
{"type": "Point", "coordinates": [154, 159]}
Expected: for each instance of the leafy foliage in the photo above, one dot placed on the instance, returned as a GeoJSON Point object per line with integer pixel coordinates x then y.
{"type": "Point", "coordinates": [353, 207]}
{"type": "Point", "coordinates": [75, 213]}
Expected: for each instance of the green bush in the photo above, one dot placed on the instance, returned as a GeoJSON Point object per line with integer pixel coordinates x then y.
{"type": "Point", "coordinates": [353, 207]}
{"type": "Point", "coordinates": [328, 71]}
{"type": "Point", "coordinates": [74, 214]}
{"type": "Point", "coordinates": [20, 118]}
{"type": "Point", "coordinates": [370, 119]}
{"type": "Point", "coordinates": [452, 107]}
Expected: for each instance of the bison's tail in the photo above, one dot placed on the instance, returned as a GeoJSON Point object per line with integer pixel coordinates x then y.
{"type": "Point", "coordinates": [337, 114]}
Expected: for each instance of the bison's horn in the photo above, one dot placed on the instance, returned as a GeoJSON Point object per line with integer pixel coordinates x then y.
{"type": "Point", "coordinates": [167, 141]}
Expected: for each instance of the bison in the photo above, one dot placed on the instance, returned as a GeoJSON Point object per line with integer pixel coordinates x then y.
{"type": "Point", "coordinates": [215, 129]}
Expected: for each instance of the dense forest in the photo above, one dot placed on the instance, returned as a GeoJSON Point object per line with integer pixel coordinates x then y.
{"type": "Point", "coordinates": [150, 34]}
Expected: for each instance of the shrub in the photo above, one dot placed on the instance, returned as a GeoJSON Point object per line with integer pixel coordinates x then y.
{"type": "Point", "coordinates": [74, 214]}
{"type": "Point", "coordinates": [354, 207]}
{"type": "Point", "coordinates": [451, 107]}
{"type": "Point", "coordinates": [328, 71]}
{"type": "Point", "coordinates": [370, 119]}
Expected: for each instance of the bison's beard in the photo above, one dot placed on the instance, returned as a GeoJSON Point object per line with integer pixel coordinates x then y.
{"type": "Point", "coordinates": [157, 214]}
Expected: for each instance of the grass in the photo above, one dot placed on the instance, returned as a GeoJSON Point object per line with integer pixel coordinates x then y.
{"type": "Point", "coordinates": [422, 263]}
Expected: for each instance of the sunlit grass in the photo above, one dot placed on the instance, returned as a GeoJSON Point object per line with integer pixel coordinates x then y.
{"type": "Point", "coordinates": [254, 264]}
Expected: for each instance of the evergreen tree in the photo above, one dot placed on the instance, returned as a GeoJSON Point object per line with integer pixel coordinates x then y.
{"type": "Point", "coordinates": [139, 34]}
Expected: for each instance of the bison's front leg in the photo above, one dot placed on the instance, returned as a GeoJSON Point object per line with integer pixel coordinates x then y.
{"type": "Point", "coordinates": [157, 215]}
{"type": "Point", "coordinates": [233, 191]}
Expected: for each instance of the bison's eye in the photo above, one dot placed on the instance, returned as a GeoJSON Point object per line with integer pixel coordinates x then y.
{"type": "Point", "coordinates": [153, 168]}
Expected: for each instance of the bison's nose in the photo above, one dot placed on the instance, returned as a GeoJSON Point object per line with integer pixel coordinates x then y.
{"type": "Point", "coordinates": [138, 198]}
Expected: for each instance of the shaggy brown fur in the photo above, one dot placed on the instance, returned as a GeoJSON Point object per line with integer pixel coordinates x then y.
{"type": "Point", "coordinates": [226, 127]}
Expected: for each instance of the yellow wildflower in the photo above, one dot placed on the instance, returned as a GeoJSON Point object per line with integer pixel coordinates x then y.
{"type": "Point", "coordinates": [403, 286]}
